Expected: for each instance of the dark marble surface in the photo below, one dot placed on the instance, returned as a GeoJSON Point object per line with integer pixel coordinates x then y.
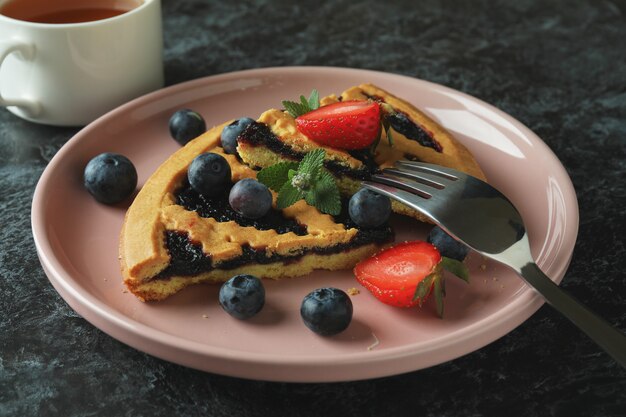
{"type": "Point", "coordinates": [559, 67]}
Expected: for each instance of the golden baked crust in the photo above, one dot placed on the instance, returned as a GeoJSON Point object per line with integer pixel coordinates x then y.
{"type": "Point", "coordinates": [453, 154]}
{"type": "Point", "coordinates": [143, 251]}
{"type": "Point", "coordinates": [160, 289]}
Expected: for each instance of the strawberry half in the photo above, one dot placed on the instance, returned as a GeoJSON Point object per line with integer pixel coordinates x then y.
{"type": "Point", "coordinates": [344, 125]}
{"type": "Point", "coordinates": [394, 274]}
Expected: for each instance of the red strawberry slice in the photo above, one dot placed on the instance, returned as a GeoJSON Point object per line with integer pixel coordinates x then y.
{"type": "Point", "coordinates": [394, 274]}
{"type": "Point", "coordinates": [344, 125]}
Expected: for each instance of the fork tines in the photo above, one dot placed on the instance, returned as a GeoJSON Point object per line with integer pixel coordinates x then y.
{"type": "Point", "coordinates": [426, 168]}
{"type": "Point", "coordinates": [417, 178]}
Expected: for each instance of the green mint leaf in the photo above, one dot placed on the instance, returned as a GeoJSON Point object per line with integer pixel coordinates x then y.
{"type": "Point", "coordinates": [295, 109]}
{"type": "Point", "coordinates": [311, 198]}
{"type": "Point", "coordinates": [314, 100]}
{"type": "Point", "coordinates": [423, 288]}
{"type": "Point", "coordinates": [439, 294]}
{"type": "Point", "coordinates": [288, 195]}
{"type": "Point", "coordinates": [312, 163]}
{"type": "Point", "coordinates": [276, 175]}
{"type": "Point", "coordinates": [458, 268]}
{"type": "Point", "coordinates": [304, 106]}
{"type": "Point", "coordinates": [326, 194]}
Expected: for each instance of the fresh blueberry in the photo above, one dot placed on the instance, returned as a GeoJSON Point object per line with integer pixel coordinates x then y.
{"type": "Point", "coordinates": [110, 178]}
{"type": "Point", "coordinates": [185, 125]}
{"type": "Point", "coordinates": [369, 209]}
{"type": "Point", "coordinates": [326, 311]}
{"type": "Point", "coordinates": [242, 296]}
{"type": "Point", "coordinates": [447, 245]}
{"type": "Point", "coordinates": [209, 174]}
{"type": "Point", "coordinates": [230, 133]}
{"type": "Point", "coordinates": [250, 198]}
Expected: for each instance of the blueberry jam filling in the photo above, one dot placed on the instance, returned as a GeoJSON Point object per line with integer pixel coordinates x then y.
{"type": "Point", "coordinates": [366, 157]}
{"type": "Point", "coordinates": [219, 208]}
{"type": "Point", "coordinates": [187, 258]}
{"type": "Point", "coordinates": [402, 124]}
{"type": "Point", "coordinates": [260, 134]}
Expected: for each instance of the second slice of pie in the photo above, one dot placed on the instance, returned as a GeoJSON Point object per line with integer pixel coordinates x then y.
{"type": "Point", "coordinates": [415, 136]}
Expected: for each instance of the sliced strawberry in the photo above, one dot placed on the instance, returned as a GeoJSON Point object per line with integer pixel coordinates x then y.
{"type": "Point", "coordinates": [344, 125]}
{"type": "Point", "coordinates": [394, 274]}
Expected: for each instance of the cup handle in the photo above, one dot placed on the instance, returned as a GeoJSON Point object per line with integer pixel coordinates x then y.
{"type": "Point", "coordinates": [25, 51]}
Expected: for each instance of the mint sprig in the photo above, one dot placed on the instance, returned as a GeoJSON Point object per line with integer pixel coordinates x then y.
{"type": "Point", "coordinates": [307, 180]}
{"type": "Point", "coordinates": [304, 106]}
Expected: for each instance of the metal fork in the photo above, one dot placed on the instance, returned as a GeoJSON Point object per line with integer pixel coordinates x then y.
{"type": "Point", "coordinates": [477, 214]}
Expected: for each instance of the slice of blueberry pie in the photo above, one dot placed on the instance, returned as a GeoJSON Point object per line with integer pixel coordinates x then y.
{"type": "Point", "coordinates": [189, 224]}
{"type": "Point", "coordinates": [363, 131]}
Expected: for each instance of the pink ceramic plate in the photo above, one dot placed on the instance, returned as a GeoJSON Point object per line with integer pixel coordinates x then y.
{"type": "Point", "coordinates": [77, 241]}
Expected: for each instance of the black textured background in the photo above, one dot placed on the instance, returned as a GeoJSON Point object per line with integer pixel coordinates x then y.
{"type": "Point", "coordinates": [557, 66]}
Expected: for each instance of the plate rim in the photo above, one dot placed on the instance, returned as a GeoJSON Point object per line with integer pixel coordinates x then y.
{"type": "Point", "coordinates": [127, 330]}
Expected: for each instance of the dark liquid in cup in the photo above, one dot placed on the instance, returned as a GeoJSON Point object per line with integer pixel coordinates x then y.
{"type": "Point", "coordinates": [66, 11]}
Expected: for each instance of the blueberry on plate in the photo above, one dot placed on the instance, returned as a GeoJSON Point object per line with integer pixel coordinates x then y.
{"type": "Point", "coordinates": [447, 245]}
{"type": "Point", "coordinates": [209, 174]}
{"type": "Point", "coordinates": [242, 296]}
{"type": "Point", "coordinates": [230, 133]}
{"type": "Point", "coordinates": [369, 209]}
{"type": "Point", "coordinates": [250, 198]}
{"type": "Point", "coordinates": [185, 125]}
{"type": "Point", "coordinates": [326, 311]}
{"type": "Point", "coordinates": [110, 177]}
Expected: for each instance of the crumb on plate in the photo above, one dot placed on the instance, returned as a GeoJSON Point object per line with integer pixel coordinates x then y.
{"type": "Point", "coordinates": [353, 291]}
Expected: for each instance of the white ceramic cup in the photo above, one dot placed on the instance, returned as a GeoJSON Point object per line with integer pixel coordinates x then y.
{"type": "Point", "coordinates": [70, 74]}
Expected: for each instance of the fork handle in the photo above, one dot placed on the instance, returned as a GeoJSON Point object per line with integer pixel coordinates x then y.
{"type": "Point", "coordinates": [601, 332]}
